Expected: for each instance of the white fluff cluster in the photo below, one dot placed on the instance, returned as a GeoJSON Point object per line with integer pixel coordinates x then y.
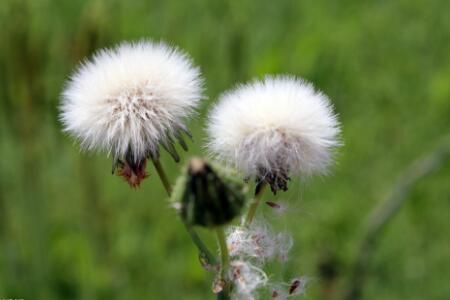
{"type": "Point", "coordinates": [246, 279]}
{"type": "Point", "coordinates": [272, 127]}
{"type": "Point", "coordinates": [250, 248]}
{"type": "Point", "coordinates": [129, 99]}
{"type": "Point", "coordinates": [258, 242]}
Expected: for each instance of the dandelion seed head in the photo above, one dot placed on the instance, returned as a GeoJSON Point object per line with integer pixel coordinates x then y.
{"type": "Point", "coordinates": [129, 99]}
{"type": "Point", "coordinates": [274, 127]}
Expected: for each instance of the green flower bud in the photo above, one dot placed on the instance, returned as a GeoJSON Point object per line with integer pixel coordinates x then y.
{"type": "Point", "coordinates": [208, 195]}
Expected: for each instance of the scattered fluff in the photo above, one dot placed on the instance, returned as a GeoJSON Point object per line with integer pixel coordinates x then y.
{"type": "Point", "coordinates": [246, 279]}
{"type": "Point", "coordinates": [274, 127]}
{"type": "Point", "coordinates": [129, 99]}
{"type": "Point", "coordinates": [258, 242]}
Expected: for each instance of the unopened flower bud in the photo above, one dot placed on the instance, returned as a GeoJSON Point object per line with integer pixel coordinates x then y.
{"type": "Point", "coordinates": [208, 194]}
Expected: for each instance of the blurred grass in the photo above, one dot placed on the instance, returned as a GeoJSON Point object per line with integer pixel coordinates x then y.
{"type": "Point", "coordinates": [70, 230]}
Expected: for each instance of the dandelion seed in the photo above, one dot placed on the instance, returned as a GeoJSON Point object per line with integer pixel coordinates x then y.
{"type": "Point", "coordinates": [278, 207]}
{"type": "Point", "coordinates": [131, 100]}
{"type": "Point", "coordinates": [275, 294]}
{"type": "Point", "coordinates": [273, 128]}
{"type": "Point", "coordinates": [273, 204]}
{"type": "Point", "coordinates": [294, 286]}
{"type": "Point", "coordinates": [297, 286]}
{"type": "Point", "coordinates": [278, 292]}
{"type": "Point", "coordinates": [283, 291]}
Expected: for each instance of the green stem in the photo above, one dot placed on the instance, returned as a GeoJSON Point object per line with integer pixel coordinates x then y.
{"type": "Point", "coordinates": [162, 175]}
{"type": "Point", "coordinates": [192, 233]}
{"type": "Point", "coordinates": [211, 260]}
{"type": "Point", "coordinates": [254, 205]}
{"type": "Point", "coordinates": [224, 262]}
{"type": "Point", "coordinates": [224, 257]}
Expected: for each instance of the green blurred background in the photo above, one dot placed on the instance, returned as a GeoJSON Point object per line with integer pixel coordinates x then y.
{"type": "Point", "coordinates": [70, 230]}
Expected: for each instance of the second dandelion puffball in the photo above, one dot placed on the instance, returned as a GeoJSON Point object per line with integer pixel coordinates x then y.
{"type": "Point", "coordinates": [130, 100]}
{"type": "Point", "coordinates": [273, 128]}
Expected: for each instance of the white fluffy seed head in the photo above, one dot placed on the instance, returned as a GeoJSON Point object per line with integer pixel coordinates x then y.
{"type": "Point", "coordinates": [275, 126]}
{"type": "Point", "coordinates": [129, 99]}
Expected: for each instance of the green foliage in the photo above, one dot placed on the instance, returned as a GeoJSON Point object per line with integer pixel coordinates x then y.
{"type": "Point", "coordinates": [70, 230]}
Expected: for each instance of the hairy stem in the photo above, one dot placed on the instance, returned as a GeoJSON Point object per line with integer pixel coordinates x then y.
{"type": "Point", "coordinates": [192, 233]}
{"type": "Point", "coordinates": [255, 203]}
{"type": "Point", "coordinates": [224, 262]}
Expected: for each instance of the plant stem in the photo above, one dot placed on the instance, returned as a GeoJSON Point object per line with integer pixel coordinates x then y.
{"type": "Point", "coordinates": [192, 233]}
{"type": "Point", "coordinates": [254, 205]}
{"type": "Point", "coordinates": [211, 260]}
{"type": "Point", "coordinates": [224, 262]}
{"type": "Point", "coordinates": [162, 175]}
{"type": "Point", "coordinates": [224, 258]}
